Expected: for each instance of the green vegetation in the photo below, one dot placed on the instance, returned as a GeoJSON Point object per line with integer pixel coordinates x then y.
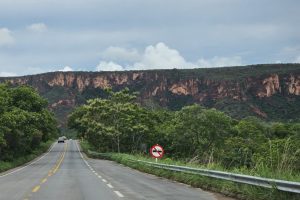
{"type": "Point", "coordinates": [233, 73]}
{"type": "Point", "coordinates": [117, 122]}
{"type": "Point", "coordinates": [6, 165]}
{"type": "Point", "coordinates": [193, 135]}
{"type": "Point", "coordinates": [242, 81]}
{"type": "Point", "coordinates": [25, 125]}
{"type": "Point", "coordinates": [241, 191]}
{"type": "Point", "coordinates": [219, 73]}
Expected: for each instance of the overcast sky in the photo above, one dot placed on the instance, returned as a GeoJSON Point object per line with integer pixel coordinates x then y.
{"type": "Point", "coordinates": [48, 35]}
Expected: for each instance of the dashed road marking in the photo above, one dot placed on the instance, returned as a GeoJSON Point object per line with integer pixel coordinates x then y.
{"type": "Point", "coordinates": [61, 160]}
{"type": "Point", "coordinates": [99, 176]}
{"type": "Point", "coordinates": [44, 180]}
{"type": "Point", "coordinates": [36, 188]}
{"type": "Point", "coordinates": [52, 171]}
{"type": "Point", "coordinates": [119, 193]}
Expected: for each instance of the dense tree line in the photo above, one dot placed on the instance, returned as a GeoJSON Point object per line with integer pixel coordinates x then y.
{"type": "Point", "coordinates": [119, 124]}
{"type": "Point", "coordinates": [115, 123]}
{"type": "Point", "coordinates": [25, 121]}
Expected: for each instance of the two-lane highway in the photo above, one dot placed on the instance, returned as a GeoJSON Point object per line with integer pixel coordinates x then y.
{"type": "Point", "coordinates": [63, 173]}
{"type": "Point", "coordinates": [74, 180]}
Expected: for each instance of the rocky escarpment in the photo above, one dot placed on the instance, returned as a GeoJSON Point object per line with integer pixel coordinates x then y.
{"type": "Point", "coordinates": [241, 91]}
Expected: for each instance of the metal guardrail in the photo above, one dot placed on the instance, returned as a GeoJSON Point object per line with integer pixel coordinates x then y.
{"type": "Point", "coordinates": [287, 186]}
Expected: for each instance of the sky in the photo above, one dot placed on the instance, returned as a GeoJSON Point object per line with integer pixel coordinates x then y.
{"type": "Point", "coordinates": [38, 36]}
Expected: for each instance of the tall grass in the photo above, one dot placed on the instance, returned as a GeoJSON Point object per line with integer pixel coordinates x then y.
{"type": "Point", "coordinates": [237, 190]}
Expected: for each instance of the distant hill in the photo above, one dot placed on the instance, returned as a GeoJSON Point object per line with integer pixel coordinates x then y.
{"type": "Point", "coordinates": [270, 91]}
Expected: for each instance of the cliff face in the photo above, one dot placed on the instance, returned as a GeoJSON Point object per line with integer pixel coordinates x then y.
{"type": "Point", "coordinates": [239, 91]}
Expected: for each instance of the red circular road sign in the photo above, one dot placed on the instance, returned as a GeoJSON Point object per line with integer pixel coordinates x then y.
{"type": "Point", "coordinates": [157, 151]}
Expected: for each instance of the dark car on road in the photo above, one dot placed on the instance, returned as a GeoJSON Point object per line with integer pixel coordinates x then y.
{"type": "Point", "coordinates": [61, 140]}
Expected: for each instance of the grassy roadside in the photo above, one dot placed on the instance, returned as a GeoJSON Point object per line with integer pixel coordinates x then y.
{"type": "Point", "coordinates": [240, 191]}
{"type": "Point", "coordinates": [4, 166]}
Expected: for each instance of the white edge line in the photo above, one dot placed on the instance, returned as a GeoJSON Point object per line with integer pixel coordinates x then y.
{"type": "Point", "coordinates": [119, 193]}
{"type": "Point", "coordinates": [12, 172]}
{"type": "Point", "coordinates": [109, 185]}
{"type": "Point", "coordinates": [81, 154]}
{"type": "Point", "coordinates": [84, 159]}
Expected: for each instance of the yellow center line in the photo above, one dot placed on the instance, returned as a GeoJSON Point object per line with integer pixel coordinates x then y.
{"type": "Point", "coordinates": [61, 160]}
{"type": "Point", "coordinates": [44, 180]}
{"type": "Point", "coordinates": [53, 170]}
{"type": "Point", "coordinates": [36, 188]}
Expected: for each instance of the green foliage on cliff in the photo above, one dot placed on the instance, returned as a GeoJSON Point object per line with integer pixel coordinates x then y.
{"type": "Point", "coordinates": [25, 122]}
{"type": "Point", "coordinates": [236, 73]}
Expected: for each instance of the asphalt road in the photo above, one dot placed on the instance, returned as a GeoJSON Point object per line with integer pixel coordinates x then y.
{"type": "Point", "coordinates": [64, 173]}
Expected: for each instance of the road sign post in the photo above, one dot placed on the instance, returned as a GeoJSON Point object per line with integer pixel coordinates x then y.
{"type": "Point", "coordinates": [156, 152]}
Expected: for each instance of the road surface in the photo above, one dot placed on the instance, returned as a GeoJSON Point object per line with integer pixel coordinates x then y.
{"type": "Point", "coordinates": [64, 173]}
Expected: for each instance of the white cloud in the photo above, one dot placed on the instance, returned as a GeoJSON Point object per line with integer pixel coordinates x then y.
{"type": "Point", "coordinates": [220, 61]}
{"type": "Point", "coordinates": [6, 74]}
{"type": "Point", "coordinates": [6, 37]}
{"type": "Point", "coordinates": [222, 29]}
{"type": "Point", "coordinates": [37, 27]}
{"type": "Point", "coordinates": [109, 66]}
{"type": "Point", "coordinates": [297, 60]}
{"type": "Point", "coordinates": [158, 56]}
{"type": "Point", "coordinates": [161, 56]}
{"type": "Point", "coordinates": [120, 54]}
{"type": "Point", "coordinates": [66, 69]}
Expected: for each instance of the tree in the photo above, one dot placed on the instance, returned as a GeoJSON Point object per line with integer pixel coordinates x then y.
{"type": "Point", "coordinates": [200, 132]}
{"type": "Point", "coordinates": [24, 121]}
{"type": "Point", "coordinates": [115, 123]}
{"type": "Point", "coordinates": [239, 149]}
